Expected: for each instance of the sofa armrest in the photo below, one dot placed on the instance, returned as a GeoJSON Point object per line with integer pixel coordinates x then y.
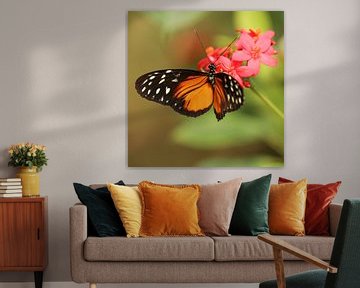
{"type": "Point", "coordinates": [78, 235]}
{"type": "Point", "coordinates": [334, 216]}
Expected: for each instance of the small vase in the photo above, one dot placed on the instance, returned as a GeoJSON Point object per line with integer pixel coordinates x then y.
{"type": "Point", "coordinates": [30, 181]}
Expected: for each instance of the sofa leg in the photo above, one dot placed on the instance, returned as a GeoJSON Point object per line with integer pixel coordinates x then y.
{"type": "Point", "coordinates": [92, 285]}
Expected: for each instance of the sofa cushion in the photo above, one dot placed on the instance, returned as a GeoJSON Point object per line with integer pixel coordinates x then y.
{"type": "Point", "coordinates": [250, 215]}
{"type": "Point", "coordinates": [127, 201]}
{"type": "Point", "coordinates": [102, 215]}
{"type": "Point", "coordinates": [216, 206]}
{"type": "Point", "coordinates": [169, 210]}
{"type": "Point", "coordinates": [318, 199]}
{"type": "Point", "coordinates": [149, 249]}
{"type": "Point", "coordinates": [287, 204]}
{"type": "Point", "coordinates": [244, 248]}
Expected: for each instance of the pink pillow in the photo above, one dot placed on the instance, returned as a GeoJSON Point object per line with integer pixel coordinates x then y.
{"type": "Point", "coordinates": [216, 205]}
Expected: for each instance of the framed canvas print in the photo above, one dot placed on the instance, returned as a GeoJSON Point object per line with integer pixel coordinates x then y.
{"type": "Point", "coordinates": [205, 88]}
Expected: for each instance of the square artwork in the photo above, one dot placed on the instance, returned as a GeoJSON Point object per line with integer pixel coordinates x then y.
{"type": "Point", "coordinates": [205, 88]}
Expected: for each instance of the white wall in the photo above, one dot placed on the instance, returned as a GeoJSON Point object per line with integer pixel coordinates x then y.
{"type": "Point", "coordinates": [63, 83]}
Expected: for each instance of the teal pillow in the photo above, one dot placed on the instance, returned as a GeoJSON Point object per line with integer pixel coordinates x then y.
{"type": "Point", "coordinates": [250, 216]}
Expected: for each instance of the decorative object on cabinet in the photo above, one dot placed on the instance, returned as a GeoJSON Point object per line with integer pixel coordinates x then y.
{"type": "Point", "coordinates": [30, 158]}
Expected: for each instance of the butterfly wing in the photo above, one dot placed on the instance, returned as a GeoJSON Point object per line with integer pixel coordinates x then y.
{"type": "Point", "coordinates": [187, 91]}
{"type": "Point", "coordinates": [228, 95]}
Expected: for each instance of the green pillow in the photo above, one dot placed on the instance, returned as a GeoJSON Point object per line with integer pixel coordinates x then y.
{"type": "Point", "coordinates": [250, 216]}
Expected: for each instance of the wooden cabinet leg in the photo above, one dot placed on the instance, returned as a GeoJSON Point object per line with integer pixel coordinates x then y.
{"type": "Point", "coordinates": [92, 285]}
{"type": "Point", "coordinates": [38, 279]}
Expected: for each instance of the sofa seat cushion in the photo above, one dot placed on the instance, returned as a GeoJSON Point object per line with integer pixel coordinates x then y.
{"type": "Point", "coordinates": [149, 249]}
{"type": "Point", "coordinates": [244, 248]}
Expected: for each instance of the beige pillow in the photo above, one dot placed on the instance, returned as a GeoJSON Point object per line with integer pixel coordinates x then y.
{"type": "Point", "coordinates": [216, 206]}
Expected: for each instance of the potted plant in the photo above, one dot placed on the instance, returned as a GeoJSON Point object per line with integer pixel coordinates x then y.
{"type": "Point", "coordinates": [30, 158]}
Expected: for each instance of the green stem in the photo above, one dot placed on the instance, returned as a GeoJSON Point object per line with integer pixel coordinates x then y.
{"type": "Point", "coordinates": [267, 102]}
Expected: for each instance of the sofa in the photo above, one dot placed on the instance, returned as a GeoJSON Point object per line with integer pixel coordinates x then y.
{"type": "Point", "coordinates": [233, 259]}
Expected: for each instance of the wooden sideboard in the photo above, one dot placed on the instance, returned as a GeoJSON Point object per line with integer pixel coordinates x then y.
{"type": "Point", "coordinates": [23, 235]}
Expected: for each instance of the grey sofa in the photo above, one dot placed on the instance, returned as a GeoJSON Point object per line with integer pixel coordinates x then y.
{"type": "Point", "coordinates": [234, 259]}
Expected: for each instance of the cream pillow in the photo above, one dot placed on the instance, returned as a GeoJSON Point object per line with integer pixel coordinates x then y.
{"type": "Point", "coordinates": [127, 201]}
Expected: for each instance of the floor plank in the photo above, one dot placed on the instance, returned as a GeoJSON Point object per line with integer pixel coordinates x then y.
{"type": "Point", "coordinates": [74, 285]}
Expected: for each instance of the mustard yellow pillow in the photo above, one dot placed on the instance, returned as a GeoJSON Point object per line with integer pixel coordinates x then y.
{"type": "Point", "coordinates": [287, 204]}
{"type": "Point", "coordinates": [127, 201]}
{"type": "Point", "coordinates": [169, 210]}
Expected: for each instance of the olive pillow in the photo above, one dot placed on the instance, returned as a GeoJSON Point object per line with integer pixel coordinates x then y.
{"type": "Point", "coordinates": [102, 214]}
{"type": "Point", "coordinates": [250, 215]}
{"type": "Point", "coordinates": [319, 197]}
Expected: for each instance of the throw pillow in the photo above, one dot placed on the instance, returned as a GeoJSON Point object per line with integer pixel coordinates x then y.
{"type": "Point", "coordinates": [127, 201]}
{"type": "Point", "coordinates": [169, 210]}
{"type": "Point", "coordinates": [250, 215]}
{"type": "Point", "coordinates": [287, 204]}
{"type": "Point", "coordinates": [216, 206]}
{"type": "Point", "coordinates": [319, 197]}
{"type": "Point", "coordinates": [102, 214]}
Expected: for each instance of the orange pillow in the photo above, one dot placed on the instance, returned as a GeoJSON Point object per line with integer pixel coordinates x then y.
{"type": "Point", "coordinates": [169, 210]}
{"type": "Point", "coordinates": [287, 204]}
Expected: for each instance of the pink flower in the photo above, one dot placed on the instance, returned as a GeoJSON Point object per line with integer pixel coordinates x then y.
{"type": "Point", "coordinates": [212, 57]}
{"type": "Point", "coordinates": [234, 69]}
{"type": "Point", "coordinates": [255, 48]}
{"type": "Point", "coordinates": [225, 65]}
{"type": "Point", "coordinates": [254, 33]}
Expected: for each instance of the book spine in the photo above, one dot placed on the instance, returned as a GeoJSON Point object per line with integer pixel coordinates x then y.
{"type": "Point", "coordinates": [10, 183]}
{"type": "Point", "coordinates": [10, 191]}
{"type": "Point", "coordinates": [10, 180]}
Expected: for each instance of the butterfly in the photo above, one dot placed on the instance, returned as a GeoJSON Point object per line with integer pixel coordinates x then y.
{"type": "Point", "coordinates": [192, 92]}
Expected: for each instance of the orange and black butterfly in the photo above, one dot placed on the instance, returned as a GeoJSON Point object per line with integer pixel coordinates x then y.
{"type": "Point", "coordinates": [191, 92]}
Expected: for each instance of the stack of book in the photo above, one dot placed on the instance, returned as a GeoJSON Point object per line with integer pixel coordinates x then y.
{"type": "Point", "coordinates": [10, 187]}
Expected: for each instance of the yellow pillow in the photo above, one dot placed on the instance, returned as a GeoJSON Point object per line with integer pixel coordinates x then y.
{"type": "Point", "coordinates": [287, 204]}
{"type": "Point", "coordinates": [127, 201]}
{"type": "Point", "coordinates": [169, 210]}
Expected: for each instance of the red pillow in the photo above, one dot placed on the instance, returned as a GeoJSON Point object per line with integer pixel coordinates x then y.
{"type": "Point", "coordinates": [319, 197]}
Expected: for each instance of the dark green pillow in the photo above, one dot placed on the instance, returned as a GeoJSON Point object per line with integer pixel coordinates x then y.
{"type": "Point", "coordinates": [103, 218]}
{"type": "Point", "coordinates": [250, 216]}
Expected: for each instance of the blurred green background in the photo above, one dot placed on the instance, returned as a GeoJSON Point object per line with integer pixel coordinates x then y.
{"type": "Point", "coordinates": [252, 136]}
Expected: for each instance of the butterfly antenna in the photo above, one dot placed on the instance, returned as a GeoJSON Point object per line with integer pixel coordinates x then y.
{"type": "Point", "coordinates": [227, 48]}
{"type": "Point", "coordinates": [203, 47]}
{"type": "Point", "coordinates": [201, 43]}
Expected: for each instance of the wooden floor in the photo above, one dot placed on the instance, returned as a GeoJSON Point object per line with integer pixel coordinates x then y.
{"type": "Point", "coordinates": [74, 285]}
